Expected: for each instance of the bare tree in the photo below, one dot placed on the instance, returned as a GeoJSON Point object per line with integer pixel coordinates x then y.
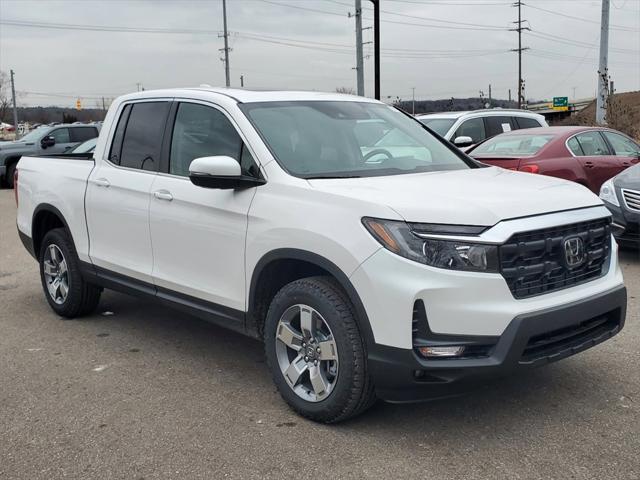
{"type": "Point", "coordinates": [347, 90]}
{"type": "Point", "coordinates": [5, 96]}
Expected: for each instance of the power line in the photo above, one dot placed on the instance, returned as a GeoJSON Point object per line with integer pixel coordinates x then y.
{"type": "Point", "coordinates": [613, 27]}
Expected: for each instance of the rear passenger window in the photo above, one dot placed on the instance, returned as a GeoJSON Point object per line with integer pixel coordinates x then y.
{"type": "Point", "coordinates": [574, 146]}
{"type": "Point", "coordinates": [524, 122]}
{"type": "Point", "coordinates": [497, 125]}
{"type": "Point", "coordinates": [142, 141]}
{"type": "Point", "coordinates": [201, 131]}
{"type": "Point", "coordinates": [82, 134]}
{"type": "Point", "coordinates": [592, 144]}
{"type": "Point", "coordinates": [473, 128]}
{"type": "Point", "coordinates": [116, 144]}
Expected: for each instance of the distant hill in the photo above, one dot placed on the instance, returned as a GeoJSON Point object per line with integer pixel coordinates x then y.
{"type": "Point", "coordinates": [452, 105]}
{"type": "Point", "coordinates": [55, 114]}
{"type": "Point", "coordinates": [623, 115]}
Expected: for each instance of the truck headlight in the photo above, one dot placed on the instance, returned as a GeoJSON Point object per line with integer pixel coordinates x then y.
{"type": "Point", "coordinates": [608, 193]}
{"type": "Point", "coordinates": [450, 254]}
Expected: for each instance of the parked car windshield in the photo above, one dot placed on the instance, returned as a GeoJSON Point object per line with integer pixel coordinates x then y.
{"type": "Point", "coordinates": [439, 125]}
{"type": "Point", "coordinates": [86, 147]}
{"type": "Point", "coordinates": [335, 139]}
{"type": "Point", "coordinates": [512, 146]}
{"type": "Point", "coordinates": [33, 135]}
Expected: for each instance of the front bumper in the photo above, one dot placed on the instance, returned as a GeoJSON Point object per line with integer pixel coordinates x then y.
{"type": "Point", "coordinates": [533, 339]}
{"type": "Point", "coordinates": [626, 225]}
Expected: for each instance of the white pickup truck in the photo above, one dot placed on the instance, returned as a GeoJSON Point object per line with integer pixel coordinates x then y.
{"type": "Point", "coordinates": [374, 259]}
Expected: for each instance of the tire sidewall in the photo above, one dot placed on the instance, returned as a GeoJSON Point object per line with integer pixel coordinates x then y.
{"type": "Point", "coordinates": [61, 239]}
{"type": "Point", "coordinates": [294, 294]}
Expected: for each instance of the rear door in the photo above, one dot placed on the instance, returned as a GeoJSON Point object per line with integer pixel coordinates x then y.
{"type": "Point", "coordinates": [595, 157]}
{"type": "Point", "coordinates": [198, 234]}
{"type": "Point", "coordinates": [118, 191]}
{"type": "Point", "coordinates": [626, 150]}
{"type": "Point", "coordinates": [495, 125]}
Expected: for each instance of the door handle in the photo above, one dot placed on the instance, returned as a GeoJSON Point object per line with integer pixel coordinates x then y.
{"type": "Point", "coordinates": [101, 182]}
{"type": "Point", "coordinates": [163, 195]}
{"type": "Point", "coordinates": [589, 164]}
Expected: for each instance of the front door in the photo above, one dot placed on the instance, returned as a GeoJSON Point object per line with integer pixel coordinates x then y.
{"type": "Point", "coordinates": [63, 139]}
{"type": "Point", "coordinates": [198, 234]}
{"type": "Point", "coordinates": [118, 192]}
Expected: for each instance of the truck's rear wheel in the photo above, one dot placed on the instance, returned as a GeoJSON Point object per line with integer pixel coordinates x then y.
{"type": "Point", "coordinates": [315, 351]}
{"type": "Point", "coordinates": [9, 174]}
{"type": "Point", "coordinates": [68, 294]}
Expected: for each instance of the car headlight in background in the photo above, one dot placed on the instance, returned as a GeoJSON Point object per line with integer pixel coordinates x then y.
{"type": "Point", "coordinates": [400, 238]}
{"type": "Point", "coordinates": [608, 193]}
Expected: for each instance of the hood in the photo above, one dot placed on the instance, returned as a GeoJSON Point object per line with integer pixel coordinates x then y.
{"type": "Point", "coordinates": [630, 178]}
{"type": "Point", "coordinates": [13, 145]}
{"type": "Point", "coordinates": [482, 196]}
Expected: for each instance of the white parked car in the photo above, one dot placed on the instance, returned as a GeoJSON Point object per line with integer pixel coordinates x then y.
{"type": "Point", "coordinates": [372, 257]}
{"type": "Point", "coordinates": [465, 129]}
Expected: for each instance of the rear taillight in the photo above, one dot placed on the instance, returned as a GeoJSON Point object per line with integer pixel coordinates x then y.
{"type": "Point", "coordinates": [15, 184]}
{"type": "Point", "coordinates": [532, 168]}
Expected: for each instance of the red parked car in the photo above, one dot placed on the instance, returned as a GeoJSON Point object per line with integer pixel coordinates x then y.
{"type": "Point", "coordinates": [587, 155]}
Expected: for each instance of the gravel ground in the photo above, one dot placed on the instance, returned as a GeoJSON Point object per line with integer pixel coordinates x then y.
{"type": "Point", "coordinates": [140, 391]}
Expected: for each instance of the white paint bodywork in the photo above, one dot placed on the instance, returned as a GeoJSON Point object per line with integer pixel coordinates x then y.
{"type": "Point", "coordinates": [206, 243]}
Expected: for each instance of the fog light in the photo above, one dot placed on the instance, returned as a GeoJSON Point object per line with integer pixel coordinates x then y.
{"type": "Point", "coordinates": [441, 351]}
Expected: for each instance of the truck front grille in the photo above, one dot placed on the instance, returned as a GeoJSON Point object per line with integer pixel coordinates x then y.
{"type": "Point", "coordinates": [631, 199]}
{"type": "Point", "coordinates": [535, 262]}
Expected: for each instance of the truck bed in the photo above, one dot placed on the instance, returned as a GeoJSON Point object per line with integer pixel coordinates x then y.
{"type": "Point", "coordinates": [55, 182]}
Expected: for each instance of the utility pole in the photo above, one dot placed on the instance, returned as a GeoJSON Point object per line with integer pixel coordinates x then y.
{"type": "Point", "coordinates": [509, 95]}
{"type": "Point", "coordinates": [242, 81]}
{"type": "Point", "coordinates": [413, 108]}
{"type": "Point", "coordinates": [520, 49]}
{"type": "Point", "coordinates": [489, 95]}
{"type": "Point", "coordinates": [226, 44]}
{"type": "Point", "coordinates": [603, 71]}
{"type": "Point", "coordinates": [140, 87]}
{"type": "Point", "coordinates": [15, 107]}
{"type": "Point", "coordinates": [359, 48]}
{"type": "Point", "coordinates": [103, 109]}
{"type": "Point", "coordinates": [573, 89]}
{"type": "Point", "coordinates": [376, 46]}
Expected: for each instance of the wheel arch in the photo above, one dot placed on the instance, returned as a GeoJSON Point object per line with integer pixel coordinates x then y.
{"type": "Point", "coordinates": [301, 263]}
{"type": "Point", "coordinates": [46, 217]}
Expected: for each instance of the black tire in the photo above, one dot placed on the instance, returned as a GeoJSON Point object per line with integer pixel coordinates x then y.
{"type": "Point", "coordinates": [82, 298]}
{"type": "Point", "coordinates": [353, 391]}
{"type": "Point", "coordinates": [8, 178]}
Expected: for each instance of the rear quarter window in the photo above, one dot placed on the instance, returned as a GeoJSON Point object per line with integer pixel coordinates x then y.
{"type": "Point", "coordinates": [525, 122]}
{"type": "Point", "coordinates": [82, 134]}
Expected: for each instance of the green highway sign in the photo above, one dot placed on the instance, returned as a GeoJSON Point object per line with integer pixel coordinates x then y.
{"type": "Point", "coordinates": [560, 103]}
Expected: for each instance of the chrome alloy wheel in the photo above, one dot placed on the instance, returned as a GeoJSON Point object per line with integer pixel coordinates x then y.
{"type": "Point", "coordinates": [307, 353]}
{"type": "Point", "coordinates": [55, 274]}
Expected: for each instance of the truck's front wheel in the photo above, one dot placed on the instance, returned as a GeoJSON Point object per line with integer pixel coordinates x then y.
{"type": "Point", "coordinates": [315, 351]}
{"type": "Point", "coordinates": [68, 294]}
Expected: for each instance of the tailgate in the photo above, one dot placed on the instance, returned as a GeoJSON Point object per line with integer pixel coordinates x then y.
{"type": "Point", "coordinates": [508, 163]}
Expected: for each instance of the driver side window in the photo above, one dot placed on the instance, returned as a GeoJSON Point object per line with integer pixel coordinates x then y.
{"type": "Point", "coordinates": [61, 135]}
{"type": "Point", "coordinates": [473, 128]}
{"type": "Point", "coordinates": [201, 131]}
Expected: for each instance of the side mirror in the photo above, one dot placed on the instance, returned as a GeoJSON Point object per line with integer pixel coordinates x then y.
{"type": "Point", "coordinates": [220, 172]}
{"type": "Point", "coordinates": [463, 141]}
{"type": "Point", "coordinates": [47, 142]}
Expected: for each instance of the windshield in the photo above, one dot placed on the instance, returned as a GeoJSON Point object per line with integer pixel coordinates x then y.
{"type": "Point", "coordinates": [439, 125]}
{"type": "Point", "coordinates": [86, 147]}
{"type": "Point", "coordinates": [512, 146]}
{"type": "Point", "coordinates": [320, 139]}
{"type": "Point", "coordinates": [34, 135]}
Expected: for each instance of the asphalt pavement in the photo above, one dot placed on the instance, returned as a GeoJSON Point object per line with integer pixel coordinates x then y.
{"type": "Point", "coordinates": [139, 391]}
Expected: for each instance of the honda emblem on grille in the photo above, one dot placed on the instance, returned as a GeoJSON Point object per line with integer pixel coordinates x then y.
{"type": "Point", "coordinates": [574, 252]}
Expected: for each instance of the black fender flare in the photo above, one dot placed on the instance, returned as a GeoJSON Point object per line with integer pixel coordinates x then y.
{"type": "Point", "coordinates": [325, 264]}
{"type": "Point", "coordinates": [46, 207]}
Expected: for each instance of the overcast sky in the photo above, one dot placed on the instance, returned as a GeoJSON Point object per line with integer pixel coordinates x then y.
{"type": "Point", "coordinates": [443, 48]}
